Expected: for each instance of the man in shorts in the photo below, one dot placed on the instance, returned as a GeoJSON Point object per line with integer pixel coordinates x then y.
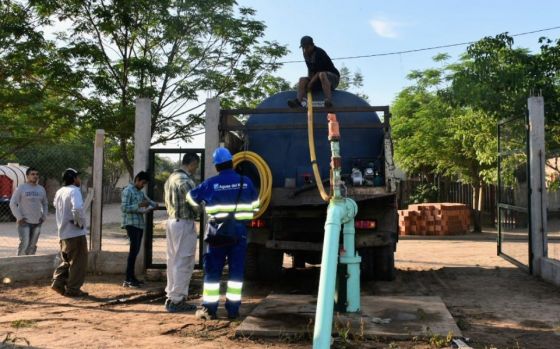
{"type": "Point", "coordinates": [321, 74]}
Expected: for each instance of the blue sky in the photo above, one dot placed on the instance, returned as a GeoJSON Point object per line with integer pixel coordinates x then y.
{"type": "Point", "coordinates": [351, 28]}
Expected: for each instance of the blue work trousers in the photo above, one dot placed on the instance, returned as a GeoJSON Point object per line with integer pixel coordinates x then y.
{"type": "Point", "coordinates": [214, 262]}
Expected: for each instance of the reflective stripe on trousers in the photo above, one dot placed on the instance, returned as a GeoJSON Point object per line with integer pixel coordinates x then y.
{"type": "Point", "coordinates": [211, 293]}
{"type": "Point", "coordinates": [234, 291]}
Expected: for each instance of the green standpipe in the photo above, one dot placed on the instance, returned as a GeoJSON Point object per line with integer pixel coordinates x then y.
{"type": "Point", "coordinates": [352, 259]}
{"type": "Point", "coordinates": [341, 212]}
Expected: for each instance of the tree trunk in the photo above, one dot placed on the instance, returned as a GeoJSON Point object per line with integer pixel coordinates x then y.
{"type": "Point", "coordinates": [125, 158]}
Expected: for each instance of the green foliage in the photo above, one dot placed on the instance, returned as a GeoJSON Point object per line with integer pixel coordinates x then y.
{"type": "Point", "coordinates": [446, 122]}
{"type": "Point", "coordinates": [169, 51]}
{"type": "Point", "coordinates": [37, 103]}
{"type": "Point", "coordinates": [351, 82]}
{"type": "Point", "coordinates": [424, 193]}
{"type": "Point", "coordinates": [53, 159]}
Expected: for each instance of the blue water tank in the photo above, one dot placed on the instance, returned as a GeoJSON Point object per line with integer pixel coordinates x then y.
{"type": "Point", "coordinates": [281, 139]}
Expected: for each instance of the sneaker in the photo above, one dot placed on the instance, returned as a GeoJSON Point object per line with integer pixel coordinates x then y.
{"type": "Point", "coordinates": [179, 307]}
{"type": "Point", "coordinates": [328, 103]}
{"type": "Point", "coordinates": [233, 316]}
{"type": "Point", "coordinates": [131, 284]}
{"type": "Point", "coordinates": [76, 293]}
{"type": "Point", "coordinates": [294, 103]}
{"type": "Point", "coordinates": [58, 289]}
{"type": "Point", "coordinates": [139, 282]}
{"type": "Point", "coordinates": [203, 314]}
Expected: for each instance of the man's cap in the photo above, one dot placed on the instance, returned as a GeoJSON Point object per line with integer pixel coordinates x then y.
{"type": "Point", "coordinates": [305, 41]}
{"type": "Point", "coordinates": [221, 155]}
{"type": "Point", "coordinates": [69, 174]}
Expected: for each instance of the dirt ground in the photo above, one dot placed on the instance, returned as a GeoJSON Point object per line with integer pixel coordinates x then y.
{"type": "Point", "coordinates": [495, 305]}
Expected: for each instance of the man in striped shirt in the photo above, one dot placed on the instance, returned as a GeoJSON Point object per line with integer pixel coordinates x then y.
{"type": "Point", "coordinates": [180, 234]}
{"type": "Point", "coordinates": [230, 200]}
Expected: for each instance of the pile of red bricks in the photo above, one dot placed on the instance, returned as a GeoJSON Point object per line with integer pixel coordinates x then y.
{"type": "Point", "coordinates": [435, 219]}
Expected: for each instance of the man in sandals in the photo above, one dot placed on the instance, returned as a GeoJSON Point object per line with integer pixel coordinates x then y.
{"type": "Point", "coordinates": [321, 74]}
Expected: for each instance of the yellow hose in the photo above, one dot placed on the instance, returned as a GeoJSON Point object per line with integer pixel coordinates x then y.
{"type": "Point", "coordinates": [311, 139]}
{"type": "Point", "coordinates": [265, 176]}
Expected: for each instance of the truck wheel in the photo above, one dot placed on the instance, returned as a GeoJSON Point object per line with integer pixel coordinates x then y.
{"type": "Point", "coordinates": [384, 263]}
{"type": "Point", "coordinates": [298, 260]}
{"type": "Point", "coordinates": [251, 262]}
{"type": "Point", "coordinates": [367, 269]}
{"type": "Point", "coordinates": [269, 263]}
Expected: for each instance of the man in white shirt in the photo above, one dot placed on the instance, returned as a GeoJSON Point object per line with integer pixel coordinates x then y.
{"type": "Point", "coordinates": [69, 276]}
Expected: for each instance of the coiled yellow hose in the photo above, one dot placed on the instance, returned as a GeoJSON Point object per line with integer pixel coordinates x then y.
{"type": "Point", "coordinates": [265, 176]}
{"type": "Point", "coordinates": [311, 140]}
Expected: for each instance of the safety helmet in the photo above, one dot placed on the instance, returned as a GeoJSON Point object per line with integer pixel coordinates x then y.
{"type": "Point", "coordinates": [221, 155]}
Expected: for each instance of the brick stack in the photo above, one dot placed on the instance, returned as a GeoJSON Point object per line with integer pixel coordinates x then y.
{"type": "Point", "coordinates": [435, 219]}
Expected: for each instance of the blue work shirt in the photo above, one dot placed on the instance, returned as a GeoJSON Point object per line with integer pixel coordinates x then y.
{"type": "Point", "coordinates": [220, 195]}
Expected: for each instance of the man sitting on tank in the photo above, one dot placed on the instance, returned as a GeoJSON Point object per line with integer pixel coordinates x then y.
{"type": "Point", "coordinates": [321, 74]}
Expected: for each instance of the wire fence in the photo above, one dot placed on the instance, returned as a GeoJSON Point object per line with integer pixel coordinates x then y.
{"type": "Point", "coordinates": [552, 178]}
{"type": "Point", "coordinates": [50, 161]}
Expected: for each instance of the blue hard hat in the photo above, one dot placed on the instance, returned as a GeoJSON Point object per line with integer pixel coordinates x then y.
{"type": "Point", "coordinates": [221, 155]}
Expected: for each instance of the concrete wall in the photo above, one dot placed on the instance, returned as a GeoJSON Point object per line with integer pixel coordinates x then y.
{"type": "Point", "coordinates": [550, 270]}
{"type": "Point", "coordinates": [28, 268]}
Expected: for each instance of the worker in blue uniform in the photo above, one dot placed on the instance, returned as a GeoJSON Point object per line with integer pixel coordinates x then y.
{"type": "Point", "coordinates": [229, 200]}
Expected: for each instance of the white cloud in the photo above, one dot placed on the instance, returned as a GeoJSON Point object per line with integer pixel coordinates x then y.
{"type": "Point", "coordinates": [385, 28]}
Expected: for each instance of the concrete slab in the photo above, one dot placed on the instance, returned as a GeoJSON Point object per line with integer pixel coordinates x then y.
{"type": "Point", "coordinates": [392, 317]}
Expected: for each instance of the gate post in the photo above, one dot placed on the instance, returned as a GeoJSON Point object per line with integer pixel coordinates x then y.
{"type": "Point", "coordinates": [142, 139]}
{"type": "Point", "coordinates": [538, 199]}
{"type": "Point", "coordinates": [97, 206]}
{"type": "Point", "coordinates": [212, 135]}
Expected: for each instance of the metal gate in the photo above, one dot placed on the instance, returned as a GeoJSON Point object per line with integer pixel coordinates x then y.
{"type": "Point", "coordinates": [161, 163]}
{"type": "Point", "coordinates": [513, 192]}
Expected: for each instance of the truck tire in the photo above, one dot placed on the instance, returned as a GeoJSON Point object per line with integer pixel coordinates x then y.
{"type": "Point", "coordinates": [384, 263]}
{"type": "Point", "coordinates": [298, 260]}
{"type": "Point", "coordinates": [367, 268]}
{"type": "Point", "coordinates": [269, 263]}
{"type": "Point", "coordinates": [262, 264]}
{"type": "Point", "coordinates": [251, 262]}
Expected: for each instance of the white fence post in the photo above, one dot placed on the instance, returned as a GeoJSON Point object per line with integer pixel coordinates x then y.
{"type": "Point", "coordinates": [142, 141]}
{"type": "Point", "coordinates": [538, 206]}
{"type": "Point", "coordinates": [212, 135]}
{"type": "Point", "coordinates": [97, 204]}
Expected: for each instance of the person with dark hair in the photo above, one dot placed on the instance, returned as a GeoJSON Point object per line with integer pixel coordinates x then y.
{"type": "Point", "coordinates": [30, 206]}
{"type": "Point", "coordinates": [69, 276]}
{"type": "Point", "coordinates": [230, 200]}
{"type": "Point", "coordinates": [181, 236]}
{"type": "Point", "coordinates": [321, 74]}
{"type": "Point", "coordinates": [134, 204]}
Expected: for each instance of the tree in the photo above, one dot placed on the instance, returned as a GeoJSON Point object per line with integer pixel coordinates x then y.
{"type": "Point", "coordinates": [432, 136]}
{"type": "Point", "coordinates": [446, 122]}
{"type": "Point", "coordinates": [34, 106]}
{"type": "Point", "coordinates": [349, 80]}
{"type": "Point", "coordinates": [167, 50]}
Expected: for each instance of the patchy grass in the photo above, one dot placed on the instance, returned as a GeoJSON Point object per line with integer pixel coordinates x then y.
{"type": "Point", "coordinates": [23, 323]}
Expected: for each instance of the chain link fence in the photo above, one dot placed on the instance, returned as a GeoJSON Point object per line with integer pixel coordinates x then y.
{"type": "Point", "coordinates": [50, 161]}
{"type": "Point", "coordinates": [552, 178]}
